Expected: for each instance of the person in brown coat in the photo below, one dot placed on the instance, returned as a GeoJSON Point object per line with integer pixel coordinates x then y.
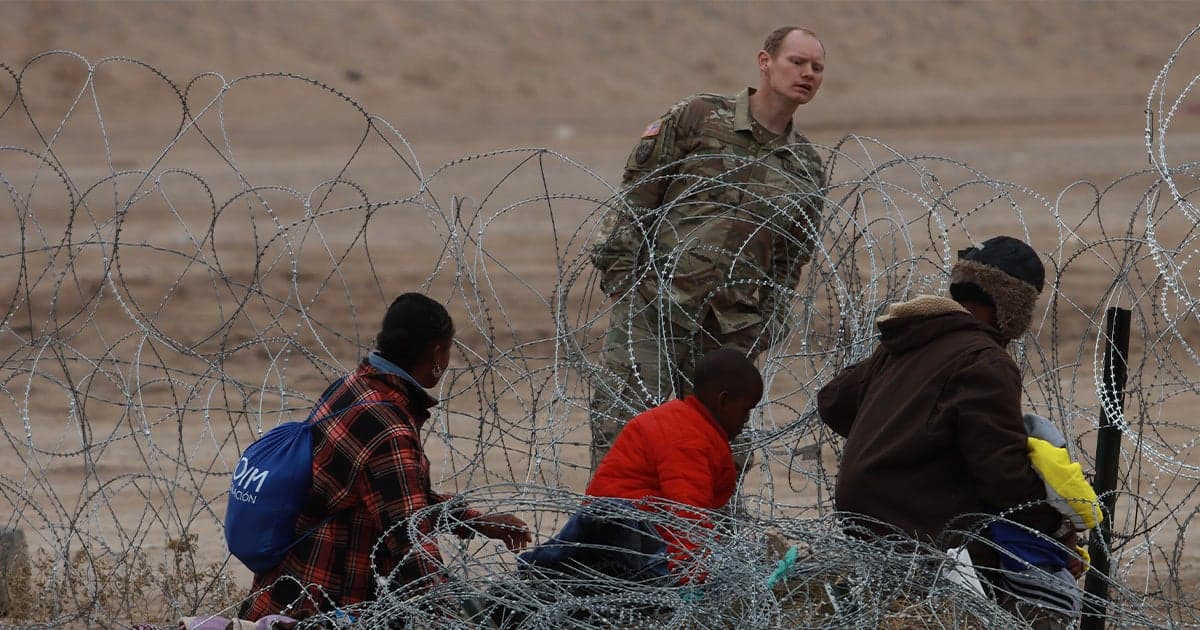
{"type": "Point", "coordinates": [932, 419]}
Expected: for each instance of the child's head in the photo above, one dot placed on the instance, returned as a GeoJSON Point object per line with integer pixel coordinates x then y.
{"type": "Point", "coordinates": [729, 386]}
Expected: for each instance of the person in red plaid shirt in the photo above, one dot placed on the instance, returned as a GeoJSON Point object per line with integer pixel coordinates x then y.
{"type": "Point", "coordinates": [371, 475]}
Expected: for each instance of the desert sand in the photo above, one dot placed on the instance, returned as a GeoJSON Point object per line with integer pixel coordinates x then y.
{"type": "Point", "coordinates": [1043, 95]}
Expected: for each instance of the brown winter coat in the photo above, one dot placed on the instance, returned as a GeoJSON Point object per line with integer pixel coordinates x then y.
{"type": "Point", "coordinates": [932, 421]}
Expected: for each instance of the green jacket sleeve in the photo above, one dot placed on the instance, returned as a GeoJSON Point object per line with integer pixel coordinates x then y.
{"type": "Point", "coordinates": [626, 228]}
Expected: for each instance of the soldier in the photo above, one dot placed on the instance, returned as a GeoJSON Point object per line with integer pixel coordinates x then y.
{"type": "Point", "coordinates": [721, 205]}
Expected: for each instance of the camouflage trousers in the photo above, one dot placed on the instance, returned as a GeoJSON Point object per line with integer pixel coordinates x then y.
{"type": "Point", "coordinates": [647, 360]}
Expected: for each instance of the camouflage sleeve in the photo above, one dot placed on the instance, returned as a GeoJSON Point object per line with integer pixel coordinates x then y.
{"type": "Point", "coordinates": [797, 242]}
{"type": "Point", "coordinates": [627, 226]}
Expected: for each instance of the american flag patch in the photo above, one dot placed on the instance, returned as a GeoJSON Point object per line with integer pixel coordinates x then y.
{"type": "Point", "coordinates": [652, 129]}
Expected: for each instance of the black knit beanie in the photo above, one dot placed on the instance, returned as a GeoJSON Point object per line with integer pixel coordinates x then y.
{"type": "Point", "coordinates": [1005, 272]}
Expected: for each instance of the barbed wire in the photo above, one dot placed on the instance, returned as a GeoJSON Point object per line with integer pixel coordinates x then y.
{"type": "Point", "coordinates": [171, 299]}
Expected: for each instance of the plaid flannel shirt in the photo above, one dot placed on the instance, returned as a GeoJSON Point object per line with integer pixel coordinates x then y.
{"type": "Point", "coordinates": [370, 475]}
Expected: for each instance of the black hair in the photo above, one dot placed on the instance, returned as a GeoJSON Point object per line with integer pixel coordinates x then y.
{"type": "Point", "coordinates": [726, 369]}
{"type": "Point", "coordinates": [413, 322]}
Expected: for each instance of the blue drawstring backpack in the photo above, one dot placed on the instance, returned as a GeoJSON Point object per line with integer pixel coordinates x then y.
{"type": "Point", "coordinates": [270, 484]}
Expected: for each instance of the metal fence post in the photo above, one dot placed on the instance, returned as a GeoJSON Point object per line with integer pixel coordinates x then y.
{"type": "Point", "coordinates": [1108, 455]}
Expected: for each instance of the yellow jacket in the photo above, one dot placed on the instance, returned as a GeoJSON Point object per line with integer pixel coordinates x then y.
{"type": "Point", "coordinates": [1066, 487]}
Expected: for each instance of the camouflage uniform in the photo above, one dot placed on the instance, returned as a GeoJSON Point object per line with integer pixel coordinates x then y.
{"type": "Point", "coordinates": [717, 218]}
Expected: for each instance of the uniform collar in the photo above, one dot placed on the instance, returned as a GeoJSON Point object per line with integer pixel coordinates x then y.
{"type": "Point", "coordinates": [741, 111]}
{"type": "Point", "coordinates": [742, 121]}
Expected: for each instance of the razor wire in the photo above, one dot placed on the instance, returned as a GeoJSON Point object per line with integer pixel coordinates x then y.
{"type": "Point", "coordinates": [173, 295]}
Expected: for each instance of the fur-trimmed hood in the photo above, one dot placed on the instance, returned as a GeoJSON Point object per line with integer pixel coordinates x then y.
{"type": "Point", "coordinates": [1014, 299]}
{"type": "Point", "coordinates": [921, 306]}
{"type": "Point", "coordinates": [918, 322]}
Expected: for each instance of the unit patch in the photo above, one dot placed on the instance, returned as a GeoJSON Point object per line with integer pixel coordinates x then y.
{"type": "Point", "coordinates": [645, 149]}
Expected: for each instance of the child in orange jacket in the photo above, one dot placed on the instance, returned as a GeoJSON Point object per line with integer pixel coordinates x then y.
{"type": "Point", "coordinates": [670, 459]}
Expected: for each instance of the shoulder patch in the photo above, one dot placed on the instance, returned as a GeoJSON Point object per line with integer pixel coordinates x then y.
{"type": "Point", "coordinates": [652, 129]}
{"type": "Point", "coordinates": [645, 149]}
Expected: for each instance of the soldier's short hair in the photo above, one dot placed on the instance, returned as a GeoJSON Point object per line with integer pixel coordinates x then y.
{"type": "Point", "coordinates": [775, 39]}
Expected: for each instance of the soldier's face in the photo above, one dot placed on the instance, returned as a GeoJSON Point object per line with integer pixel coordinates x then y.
{"type": "Point", "coordinates": [796, 71]}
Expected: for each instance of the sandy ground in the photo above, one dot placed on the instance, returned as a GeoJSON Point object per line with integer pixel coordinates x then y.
{"type": "Point", "coordinates": [1042, 95]}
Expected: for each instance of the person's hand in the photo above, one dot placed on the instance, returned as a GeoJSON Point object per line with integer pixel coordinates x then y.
{"type": "Point", "coordinates": [1074, 562]}
{"type": "Point", "coordinates": [512, 531]}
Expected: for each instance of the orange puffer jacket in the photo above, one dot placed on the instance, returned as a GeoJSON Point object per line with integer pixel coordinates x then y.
{"type": "Point", "coordinates": [675, 451]}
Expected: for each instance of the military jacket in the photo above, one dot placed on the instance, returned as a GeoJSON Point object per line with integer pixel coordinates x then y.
{"type": "Point", "coordinates": [717, 216]}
